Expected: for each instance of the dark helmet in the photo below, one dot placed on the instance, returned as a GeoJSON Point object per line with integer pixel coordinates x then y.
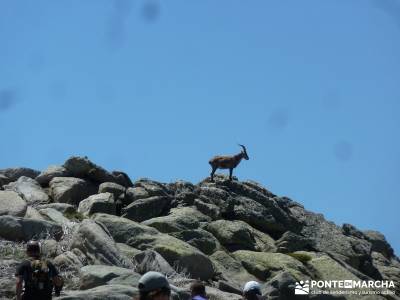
{"type": "Point", "coordinates": [33, 247]}
{"type": "Point", "coordinates": [153, 281]}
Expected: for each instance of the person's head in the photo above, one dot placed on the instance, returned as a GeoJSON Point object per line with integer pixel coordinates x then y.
{"type": "Point", "coordinates": [197, 288]}
{"type": "Point", "coordinates": [251, 290]}
{"type": "Point", "coordinates": [154, 286]}
{"type": "Point", "coordinates": [33, 249]}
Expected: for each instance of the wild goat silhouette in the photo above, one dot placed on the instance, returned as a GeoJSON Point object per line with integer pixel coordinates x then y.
{"type": "Point", "coordinates": [227, 162]}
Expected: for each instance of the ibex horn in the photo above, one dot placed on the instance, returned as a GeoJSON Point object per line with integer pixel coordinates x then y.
{"type": "Point", "coordinates": [244, 148]}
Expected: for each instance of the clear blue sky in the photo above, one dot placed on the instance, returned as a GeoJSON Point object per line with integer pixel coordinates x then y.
{"type": "Point", "coordinates": [155, 88]}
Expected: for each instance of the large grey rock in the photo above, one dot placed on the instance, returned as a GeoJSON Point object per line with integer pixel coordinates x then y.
{"type": "Point", "coordinates": [29, 190]}
{"type": "Point", "coordinates": [177, 220]}
{"type": "Point", "coordinates": [12, 204]}
{"type": "Point", "coordinates": [150, 260]}
{"type": "Point", "coordinates": [63, 208]}
{"type": "Point", "coordinates": [7, 278]}
{"type": "Point", "coordinates": [257, 215]}
{"type": "Point", "coordinates": [47, 175]}
{"type": "Point", "coordinates": [177, 253]}
{"type": "Point", "coordinates": [183, 199]}
{"type": "Point", "coordinates": [351, 230]}
{"type": "Point", "coordinates": [379, 243]}
{"type": "Point", "coordinates": [99, 203]}
{"type": "Point", "coordinates": [113, 188]}
{"type": "Point", "coordinates": [213, 202]}
{"type": "Point", "coordinates": [229, 287]}
{"type": "Point", "coordinates": [258, 187]}
{"type": "Point", "coordinates": [180, 255]}
{"type": "Point", "coordinates": [70, 190]}
{"type": "Point", "coordinates": [229, 269]}
{"type": "Point", "coordinates": [4, 180]}
{"type": "Point", "coordinates": [135, 193]}
{"type": "Point", "coordinates": [152, 187]}
{"type": "Point", "coordinates": [128, 251]}
{"type": "Point", "coordinates": [22, 229]}
{"type": "Point", "coordinates": [280, 287]}
{"type": "Point", "coordinates": [209, 209]}
{"type": "Point", "coordinates": [325, 268]}
{"type": "Point", "coordinates": [388, 267]}
{"type": "Point", "coordinates": [96, 275]}
{"type": "Point", "coordinates": [94, 240]}
{"type": "Point", "coordinates": [145, 188]}
{"type": "Point", "coordinates": [82, 167]}
{"type": "Point", "coordinates": [216, 294]}
{"type": "Point", "coordinates": [327, 237]}
{"type": "Point", "coordinates": [33, 213]}
{"type": "Point", "coordinates": [200, 239]}
{"type": "Point", "coordinates": [122, 229]}
{"type": "Point", "coordinates": [267, 265]}
{"type": "Point", "coordinates": [144, 209]}
{"type": "Point", "coordinates": [70, 260]}
{"type": "Point", "coordinates": [248, 202]}
{"type": "Point", "coordinates": [181, 186]}
{"type": "Point", "coordinates": [122, 178]}
{"type": "Point", "coordinates": [14, 173]}
{"type": "Point", "coordinates": [236, 235]}
{"type": "Point", "coordinates": [53, 215]}
{"type": "Point", "coordinates": [291, 242]}
{"type": "Point", "coordinates": [109, 292]}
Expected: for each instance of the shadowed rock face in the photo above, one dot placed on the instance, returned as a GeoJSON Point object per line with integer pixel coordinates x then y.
{"type": "Point", "coordinates": [224, 232]}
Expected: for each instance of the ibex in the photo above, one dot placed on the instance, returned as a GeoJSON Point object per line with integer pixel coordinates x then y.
{"type": "Point", "coordinates": [227, 162]}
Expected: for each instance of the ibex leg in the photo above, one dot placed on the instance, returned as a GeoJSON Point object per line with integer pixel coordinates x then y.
{"type": "Point", "coordinates": [212, 173]}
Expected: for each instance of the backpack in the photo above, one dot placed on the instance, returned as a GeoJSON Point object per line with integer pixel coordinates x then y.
{"type": "Point", "coordinates": [40, 280]}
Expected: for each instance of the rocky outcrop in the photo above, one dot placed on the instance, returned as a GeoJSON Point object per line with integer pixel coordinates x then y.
{"type": "Point", "coordinates": [23, 229]}
{"type": "Point", "coordinates": [47, 175]}
{"type": "Point", "coordinates": [114, 188]}
{"type": "Point", "coordinates": [266, 265]}
{"type": "Point", "coordinates": [97, 275]}
{"type": "Point", "coordinates": [122, 229]}
{"type": "Point", "coordinates": [147, 208]}
{"type": "Point", "coordinates": [96, 243]}
{"type": "Point", "coordinates": [109, 291]}
{"type": "Point", "coordinates": [53, 215]}
{"type": "Point", "coordinates": [29, 190]}
{"type": "Point", "coordinates": [178, 219]}
{"type": "Point", "coordinates": [100, 203]}
{"type": "Point", "coordinates": [230, 269]}
{"type": "Point", "coordinates": [238, 235]}
{"type": "Point", "coordinates": [12, 174]}
{"type": "Point", "coordinates": [200, 239]}
{"type": "Point", "coordinates": [182, 256]}
{"type": "Point", "coordinates": [82, 167]}
{"type": "Point", "coordinates": [150, 260]}
{"type": "Point", "coordinates": [70, 190]}
{"type": "Point", "coordinates": [224, 232]}
{"type": "Point", "coordinates": [280, 287]}
{"type": "Point", "coordinates": [63, 208]}
{"type": "Point", "coordinates": [12, 204]}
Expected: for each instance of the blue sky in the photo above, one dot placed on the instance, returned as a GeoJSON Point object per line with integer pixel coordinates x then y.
{"type": "Point", "coordinates": [156, 88]}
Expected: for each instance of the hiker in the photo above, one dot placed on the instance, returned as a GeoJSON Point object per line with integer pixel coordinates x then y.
{"type": "Point", "coordinates": [37, 276]}
{"type": "Point", "coordinates": [154, 286]}
{"type": "Point", "coordinates": [252, 291]}
{"type": "Point", "coordinates": [198, 291]}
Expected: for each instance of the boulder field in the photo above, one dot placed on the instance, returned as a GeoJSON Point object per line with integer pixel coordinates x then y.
{"type": "Point", "coordinates": [103, 231]}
